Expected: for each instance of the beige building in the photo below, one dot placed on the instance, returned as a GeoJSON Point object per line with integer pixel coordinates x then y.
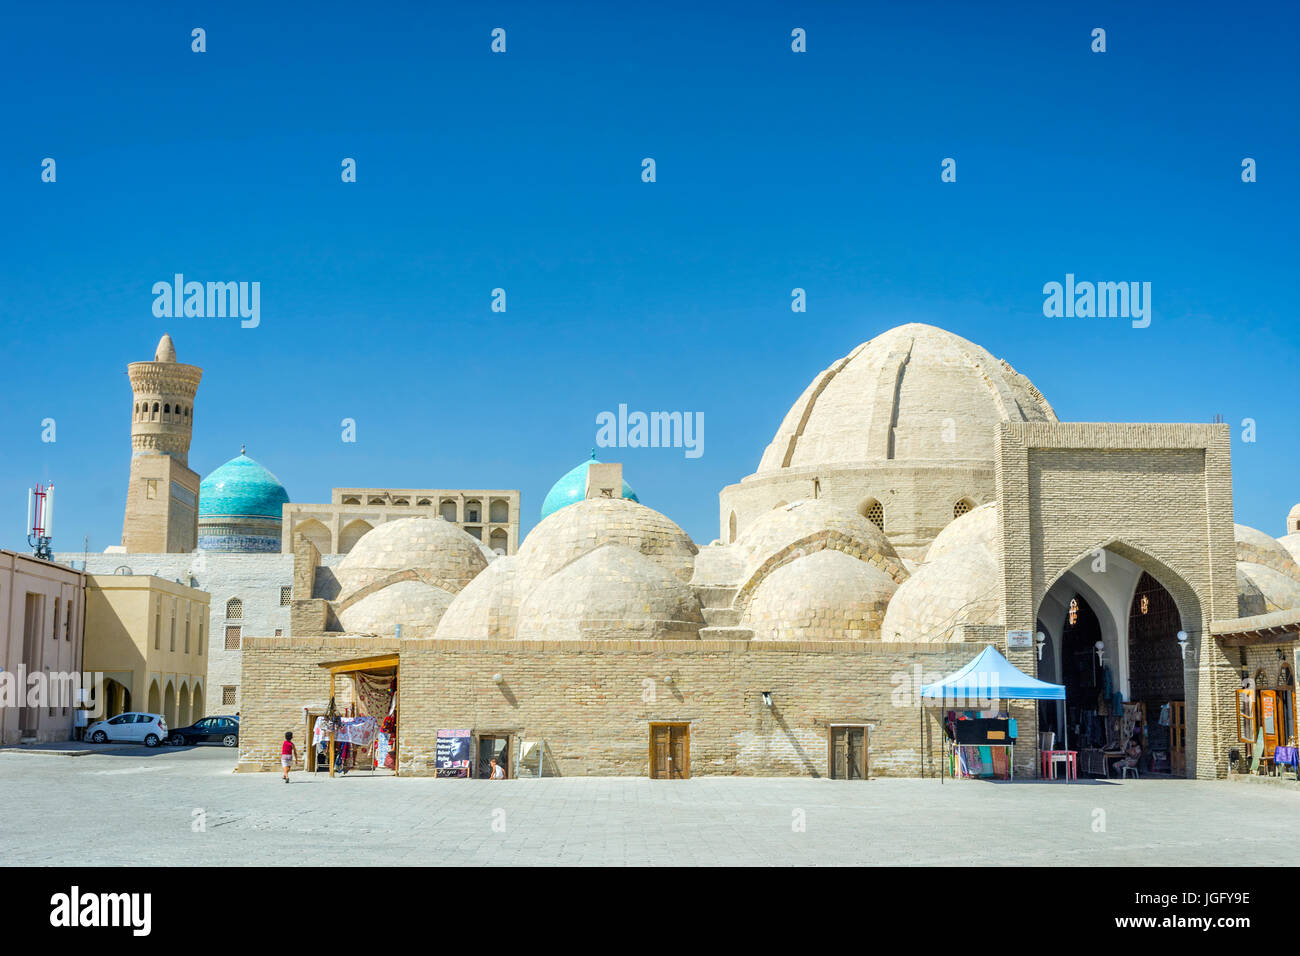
{"type": "Point", "coordinates": [920, 501]}
{"type": "Point", "coordinates": [40, 634]}
{"type": "Point", "coordinates": [149, 638]}
{"type": "Point", "coordinates": [491, 517]}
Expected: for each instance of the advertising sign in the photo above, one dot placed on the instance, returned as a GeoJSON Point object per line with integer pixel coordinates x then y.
{"type": "Point", "coordinates": [451, 753]}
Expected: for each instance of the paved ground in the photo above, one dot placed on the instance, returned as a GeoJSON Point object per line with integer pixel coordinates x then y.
{"type": "Point", "coordinates": [139, 807]}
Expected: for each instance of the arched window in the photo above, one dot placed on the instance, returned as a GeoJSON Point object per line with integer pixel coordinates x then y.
{"type": "Point", "coordinates": [731, 529]}
{"type": "Point", "coordinates": [234, 610]}
{"type": "Point", "coordinates": [874, 512]}
{"type": "Point", "coordinates": [962, 507]}
{"type": "Point", "coordinates": [155, 411]}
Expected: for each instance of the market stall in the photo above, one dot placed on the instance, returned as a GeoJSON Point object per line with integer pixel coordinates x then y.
{"type": "Point", "coordinates": [969, 696]}
{"type": "Point", "coordinates": [368, 727]}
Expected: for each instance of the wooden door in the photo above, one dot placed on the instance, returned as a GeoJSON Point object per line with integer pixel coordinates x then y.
{"type": "Point", "coordinates": [1268, 721]}
{"type": "Point", "coordinates": [1178, 737]}
{"type": "Point", "coordinates": [848, 753]}
{"type": "Point", "coordinates": [680, 756]}
{"type": "Point", "coordinates": [670, 751]}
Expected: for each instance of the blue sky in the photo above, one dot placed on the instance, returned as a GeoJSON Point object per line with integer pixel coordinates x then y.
{"type": "Point", "coordinates": [522, 171]}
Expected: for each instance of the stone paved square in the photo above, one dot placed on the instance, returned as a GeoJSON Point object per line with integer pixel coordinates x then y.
{"type": "Point", "coordinates": [135, 806]}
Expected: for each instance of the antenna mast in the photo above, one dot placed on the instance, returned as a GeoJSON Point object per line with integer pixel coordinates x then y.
{"type": "Point", "coordinates": [40, 520]}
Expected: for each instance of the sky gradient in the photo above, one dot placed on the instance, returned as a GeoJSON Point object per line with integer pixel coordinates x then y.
{"type": "Point", "coordinates": [522, 171]}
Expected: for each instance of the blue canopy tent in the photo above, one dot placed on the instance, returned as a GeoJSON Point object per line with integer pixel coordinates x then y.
{"type": "Point", "coordinates": [989, 677]}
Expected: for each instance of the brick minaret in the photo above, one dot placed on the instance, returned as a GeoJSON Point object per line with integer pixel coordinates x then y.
{"type": "Point", "coordinates": [162, 500]}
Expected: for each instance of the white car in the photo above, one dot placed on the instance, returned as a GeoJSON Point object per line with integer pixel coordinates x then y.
{"type": "Point", "coordinates": [150, 729]}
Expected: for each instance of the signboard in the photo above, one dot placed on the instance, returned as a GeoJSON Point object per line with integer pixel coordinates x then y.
{"type": "Point", "coordinates": [451, 753]}
{"type": "Point", "coordinates": [1020, 639]}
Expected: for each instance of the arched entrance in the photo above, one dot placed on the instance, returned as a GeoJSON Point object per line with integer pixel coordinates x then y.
{"type": "Point", "coordinates": [117, 698]}
{"type": "Point", "coordinates": [196, 705]}
{"type": "Point", "coordinates": [1112, 639]}
{"type": "Point", "coordinates": [169, 705]}
{"type": "Point", "coordinates": [155, 699]}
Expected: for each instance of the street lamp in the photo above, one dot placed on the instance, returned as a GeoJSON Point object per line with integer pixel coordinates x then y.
{"type": "Point", "coordinates": [1101, 653]}
{"type": "Point", "coordinates": [1040, 641]}
{"type": "Point", "coordinates": [1182, 643]}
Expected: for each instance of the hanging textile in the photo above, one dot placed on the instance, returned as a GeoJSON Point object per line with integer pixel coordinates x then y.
{"type": "Point", "coordinates": [374, 693]}
{"type": "Point", "coordinates": [383, 751]}
{"type": "Point", "coordinates": [353, 730]}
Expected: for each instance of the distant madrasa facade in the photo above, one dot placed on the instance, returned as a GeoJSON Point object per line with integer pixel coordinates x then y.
{"type": "Point", "coordinates": [920, 500]}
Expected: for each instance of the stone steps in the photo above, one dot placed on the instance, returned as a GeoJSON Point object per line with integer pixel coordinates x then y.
{"type": "Point", "coordinates": [721, 616]}
{"type": "Point", "coordinates": [726, 634]}
{"type": "Point", "coordinates": [713, 595]}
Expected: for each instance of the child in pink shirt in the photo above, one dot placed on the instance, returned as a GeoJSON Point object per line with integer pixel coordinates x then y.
{"type": "Point", "coordinates": [288, 753]}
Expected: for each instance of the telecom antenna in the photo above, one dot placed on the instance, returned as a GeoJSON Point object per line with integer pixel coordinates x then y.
{"type": "Point", "coordinates": [40, 520]}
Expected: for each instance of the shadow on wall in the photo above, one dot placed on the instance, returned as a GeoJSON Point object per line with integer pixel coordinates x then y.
{"type": "Point", "coordinates": [808, 765]}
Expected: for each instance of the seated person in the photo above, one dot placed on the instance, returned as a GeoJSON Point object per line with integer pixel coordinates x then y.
{"type": "Point", "coordinates": [1132, 749]}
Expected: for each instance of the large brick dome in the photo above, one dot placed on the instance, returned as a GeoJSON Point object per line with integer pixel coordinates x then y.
{"type": "Point", "coordinates": [914, 392]}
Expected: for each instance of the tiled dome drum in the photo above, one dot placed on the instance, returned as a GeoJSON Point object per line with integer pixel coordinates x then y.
{"type": "Point", "coordinates": [240, 506]}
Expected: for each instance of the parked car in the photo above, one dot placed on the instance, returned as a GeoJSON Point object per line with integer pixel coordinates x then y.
{"type": "Point", "coordinates": [151, 729]}
{"type": "Point", "coordinates": [223, 729]}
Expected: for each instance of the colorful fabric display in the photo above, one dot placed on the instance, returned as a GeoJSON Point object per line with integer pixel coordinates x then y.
{"type": "Point", "coordinates": [353, 730]}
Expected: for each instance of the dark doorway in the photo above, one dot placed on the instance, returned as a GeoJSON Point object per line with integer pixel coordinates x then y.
{"type": "Point", "coordinates": [1155, 669]}
{"type": "Point", "coordinates": [1083, 675]}
{"type": "Point", "coordinates": [493, 747]}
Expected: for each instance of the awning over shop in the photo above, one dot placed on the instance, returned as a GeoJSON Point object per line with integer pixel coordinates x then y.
{"type": "Point", "coordinates": [990, 676]}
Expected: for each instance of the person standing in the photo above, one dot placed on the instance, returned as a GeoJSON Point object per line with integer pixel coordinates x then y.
{"type": "Point", "coordinates": [288, 753]}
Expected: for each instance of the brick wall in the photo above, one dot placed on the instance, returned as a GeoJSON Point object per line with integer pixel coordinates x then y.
{"type": "Point", "coordinates": [591, 701]}
{"type": "Point", "coordinates": [281, 676]}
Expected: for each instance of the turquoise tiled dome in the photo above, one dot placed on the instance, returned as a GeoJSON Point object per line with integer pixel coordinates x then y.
{"type": "Point", "coordinates": [241, 488]}
{"type": "Point", "coordinates": [573, 488]}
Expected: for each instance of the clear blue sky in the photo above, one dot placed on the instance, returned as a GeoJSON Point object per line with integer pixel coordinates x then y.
{"type": "Point", "coordinates": [775, 170]}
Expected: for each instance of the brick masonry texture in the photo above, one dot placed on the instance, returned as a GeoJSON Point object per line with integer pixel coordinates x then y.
{"type": "Point", "coordinates": [1067, 490]}
{"type": "Point", "coordinates": [591, 702]}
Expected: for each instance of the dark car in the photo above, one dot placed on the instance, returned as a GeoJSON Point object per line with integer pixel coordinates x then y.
{"type": "Point", "coordinates": [224, 730]}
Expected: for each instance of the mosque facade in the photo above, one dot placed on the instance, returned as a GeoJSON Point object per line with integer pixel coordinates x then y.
{"type": "Point", "coordinates": [920, 501]}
